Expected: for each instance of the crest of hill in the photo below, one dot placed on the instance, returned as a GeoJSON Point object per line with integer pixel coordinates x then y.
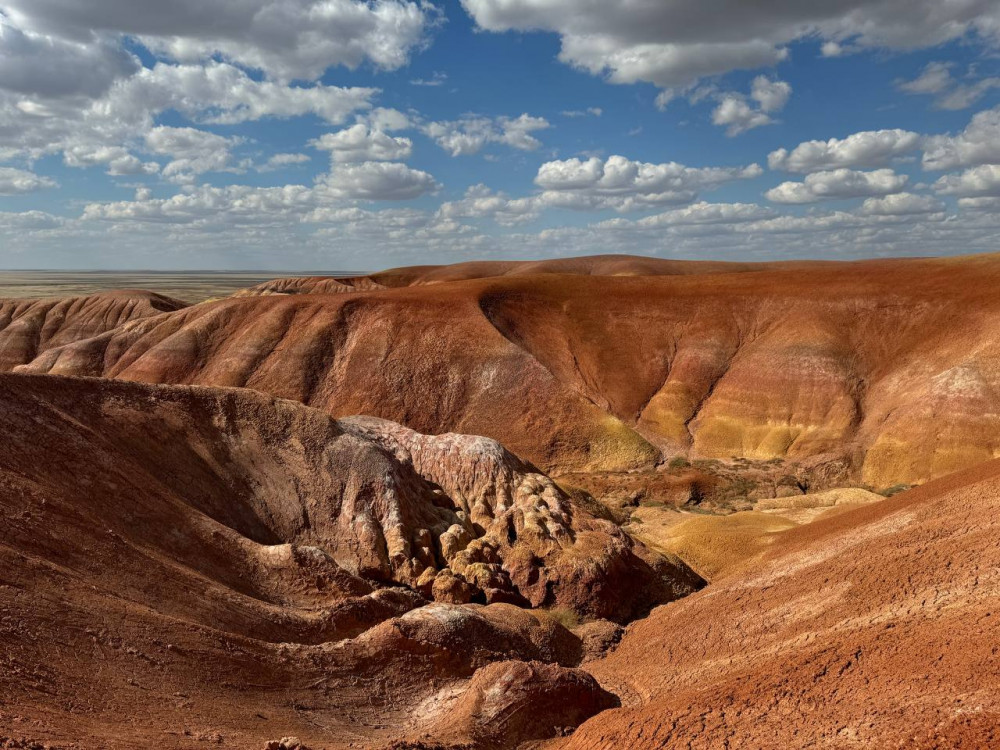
{"type": "Point", "coordinates": [594, 265]}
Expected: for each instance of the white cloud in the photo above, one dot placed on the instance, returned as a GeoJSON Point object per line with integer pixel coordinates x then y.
{"type": "Point", "coordinates": [471, 133]}
{"type": "Point", "coordinates": [193, 151]}
{"type": "Point", "coordinates": [481, 202]}
{"type": "Point", "coordinates": [28, 221]}
{"type": "Point", "coordinates": [708, 213]}
{"type": "Point", "coordinates": [979, 143]}
{"type": "Point", "coordinates": [118, 160]}
{"type": "Point", "coordinates": [359, 144]}
{"type": "Point", "coordinates": [438, 79]}
{"type": "Point", "coordinates": [834, 49]}
{"type": "Point", "coordinates": [387, 119]}
{"type": "Point", "coordinates": [227, 206]}
{"type": "Point", "coordinates": [901, 204]}
{"type": "Point", "coordinates": [738, 114]}
{"type": "Point", "coordinates": [981, 180]}
{"type": "Point", "coordinates": [982, 204]}
{"type": "Point", "coordinates": [770, 95]}
{"type": "Point", "coordinates": [219, 93]}
{"type": "Point", "coordinates": [128, 165]}
{"type": "Point", "coordinates": [588, 112]}
{"type": "Point", "coordinates": [623, 184]}
{"type": "Point", "coordinates": [672, 44]}
{"type": "Point", "coordinates": [32, 127]}
{"type": "Point", "coordinates": [869, 148]}
{"type": "Point", "coordinates": [374, 180]}
{"type": "Point", "coordinates": [17, 181]}
{"type": "Point", "coordinates": [32, 63]}
{"type": "Point", "coordinates": [280, 161]}
{"type": "Point", "coordinates": [936, 80]}
{"type": "Point", "coordinates": [288, 39]}
{"type": "Point", "coordinates": [838, 184]}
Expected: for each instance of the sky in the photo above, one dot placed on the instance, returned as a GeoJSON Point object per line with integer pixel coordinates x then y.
{"type": "Point", "coordinates": [354, 135]}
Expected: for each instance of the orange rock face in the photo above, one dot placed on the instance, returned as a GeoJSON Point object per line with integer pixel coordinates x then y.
{"type": "Point", "coordinates": [210, 552]}
{"type": "Point", "coordinates": [575, 370]}
{"type": "Point", "coordinates": [877, 628]}
{"type": "Point", "coordinates": [30, 327]}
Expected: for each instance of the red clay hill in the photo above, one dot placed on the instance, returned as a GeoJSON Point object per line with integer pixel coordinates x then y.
{"type": "Point", "coordinates": [188, 567]}
{"type": "Point", "coordinates": [183, 564]}
{"type": "Point", "coordinates": [890, 369]}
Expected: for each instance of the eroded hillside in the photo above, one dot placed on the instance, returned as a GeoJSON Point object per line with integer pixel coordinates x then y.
{"type": "Point", "coordinates": [852, 363]}
{"type": "Point", "coordinates": [223, 566]}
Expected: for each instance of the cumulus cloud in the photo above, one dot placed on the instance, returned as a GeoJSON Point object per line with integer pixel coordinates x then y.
{"type": "Point", "coordinates": [280, 161]}
{"type": "Point", "coordinates": [674, 44]}
{"type": "Point", "coordinates": [118, 160]}
{"type": "Point", "coordinates": [380, 181]}
{"type": "Point", "coordinates": [837, 184]}
{"type": "Point", "coordinates": [481, 202]}
{"type": "Point", "coordinates": [979, 143]}
{"type": "Point", "coordinates": [737, 116]}
{"type": "Point", "coordinates": [32, 63]}
{"type": "Point", "coordinates": [901, 204]}
{"type": "Point", "coordinates": [708, 213]}
{"type": "Point", "coordinates": [193, 151]}
{"type": "Point", "coordinates": [470, 134]}
{"type": "Point", "coordinates": [17, 181]}
{"type": "Point", "coordinates": [220, 93]}
{"type": "Point", "coordinates": [770, 95]}
{"type": "Point", "coordinates": [359, 143]}
{"type": "Point", "coordinates": [217, 93]}
{"type": "Point", "coordinates": [936, 80]}
{"type": "Point", "coordinates": [288, 39]}
{"type": "Point", "coordinates": [739, 113]}
{"type": "Point", "coordinates": [981, 180]}
{"type": "Point", "coordinates": [623, 184]}
{"type": "Point", "coordinates": [869, 148]}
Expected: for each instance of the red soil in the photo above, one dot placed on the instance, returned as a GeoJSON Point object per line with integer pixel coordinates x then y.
{"type": "Point", "coordinates": [852, 362]}
{"type": "Point", "coordinates": [876, 628]}
{"type": "Point", "coordinates": [29, 327]}
{"type": "Point", "coordinates": [179, 565]}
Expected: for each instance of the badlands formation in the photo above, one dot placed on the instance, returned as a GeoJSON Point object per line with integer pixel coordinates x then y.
{"type": "Point", "coordinates": [613, 364]}
{"type": "Point", "coordinates": [591, 503]}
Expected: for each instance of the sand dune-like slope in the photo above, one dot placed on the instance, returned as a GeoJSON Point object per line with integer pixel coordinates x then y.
{"type": "Point", "coordinates": [179, 564]}
{"type": "Point", "coordinates": [891, 367]}
{"type": "Point", "coordinates": [876, 628]}
{"type": "Point", "coordinates": [29, 327]}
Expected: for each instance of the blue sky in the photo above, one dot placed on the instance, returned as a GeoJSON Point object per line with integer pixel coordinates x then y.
{"type": "Point", "coordinates": [349, 135]}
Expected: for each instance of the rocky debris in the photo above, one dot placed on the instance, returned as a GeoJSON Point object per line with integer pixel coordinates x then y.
{"type": "Point", "coordinates": [598, 638]}
{"type": "Point", "coordinates": [285, 743]}
{"type": "Point", "coordinates": [456, 640]}
{"type": "Point", "coordinates": [321, 510]}
{"type": "Point", "coordinates": [514, 536]}
{"type": "Point", "coordinates": [509, 703]}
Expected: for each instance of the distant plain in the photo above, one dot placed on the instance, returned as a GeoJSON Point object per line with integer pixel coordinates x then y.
{"type": "Point", "coordinates": [189, 286]}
